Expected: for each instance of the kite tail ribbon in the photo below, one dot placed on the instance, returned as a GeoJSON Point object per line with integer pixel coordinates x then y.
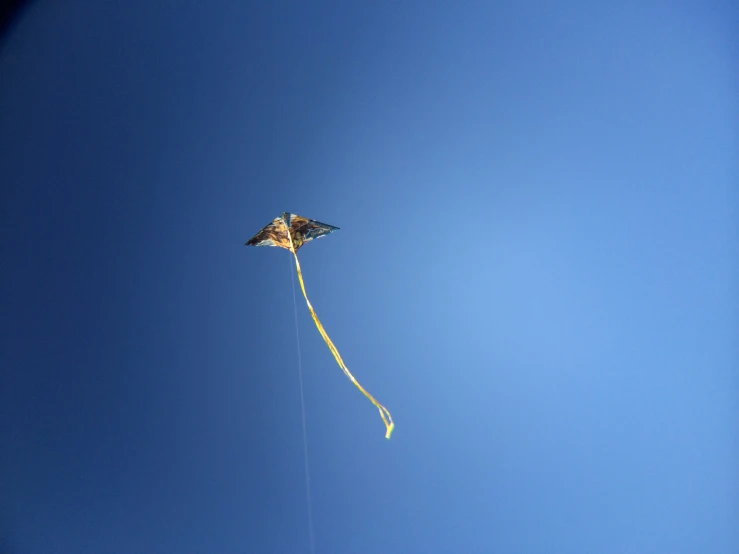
{"type": "Point", "coordinates": [384, 413]}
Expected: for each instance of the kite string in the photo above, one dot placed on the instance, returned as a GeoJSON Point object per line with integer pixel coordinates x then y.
{"type": "Point", "coordinates": [302, 410]}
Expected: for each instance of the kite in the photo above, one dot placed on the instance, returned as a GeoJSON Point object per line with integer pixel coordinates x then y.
{"type": "Point", "coordinates": [291, 232]}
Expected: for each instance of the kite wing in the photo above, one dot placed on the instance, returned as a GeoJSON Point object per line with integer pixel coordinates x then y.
{"type": "Point", "coordinates": [291, 231]}
{"type": "Point", "coordinates": [300, 229]}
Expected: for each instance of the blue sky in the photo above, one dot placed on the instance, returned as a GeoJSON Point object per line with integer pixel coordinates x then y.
{"type": "Point", "coordinates": [536, 273]}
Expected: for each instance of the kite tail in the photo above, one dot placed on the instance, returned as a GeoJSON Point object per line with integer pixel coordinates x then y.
{"type": "Point", "coordinates": [384, 413]}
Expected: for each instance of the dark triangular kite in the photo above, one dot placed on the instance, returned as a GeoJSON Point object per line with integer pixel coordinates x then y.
{"type": "Point", "coordinates": [290, 231]}
{"type": "Point", "coordinates": [302, 230]}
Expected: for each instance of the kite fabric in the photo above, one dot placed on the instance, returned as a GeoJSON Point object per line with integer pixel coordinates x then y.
{"type": "Point", "coordinates": [290, 231]}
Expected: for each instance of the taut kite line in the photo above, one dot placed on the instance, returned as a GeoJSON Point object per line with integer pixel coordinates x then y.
{"type": "Point", "coordinates": [290, 231]}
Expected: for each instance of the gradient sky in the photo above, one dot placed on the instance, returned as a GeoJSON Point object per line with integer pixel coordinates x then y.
{"type": "Point", "coordinates": [536, 273]}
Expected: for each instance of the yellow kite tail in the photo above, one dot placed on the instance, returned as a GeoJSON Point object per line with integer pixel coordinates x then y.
{"type": "Point", "coordinates": [384, 413]}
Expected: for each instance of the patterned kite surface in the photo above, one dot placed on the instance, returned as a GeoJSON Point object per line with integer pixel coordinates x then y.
{"type": "Point", "coordinates": [290, 231]}
{"type": "Point", "coordinates": [301, 230]}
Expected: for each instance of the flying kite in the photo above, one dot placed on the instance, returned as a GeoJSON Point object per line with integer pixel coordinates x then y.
{"type": "Point", "coordinates": [290, 231]}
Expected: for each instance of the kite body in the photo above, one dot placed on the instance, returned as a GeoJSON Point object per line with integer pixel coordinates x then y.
{"type": "Point", "coordinates": [290, 231]}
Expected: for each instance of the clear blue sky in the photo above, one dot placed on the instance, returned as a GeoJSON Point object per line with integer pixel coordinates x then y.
{"type": "Point", "coordinates": [536, 273]}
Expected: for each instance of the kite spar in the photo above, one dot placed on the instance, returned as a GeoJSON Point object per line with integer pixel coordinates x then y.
{"type": "Point", "coordinates": [290, 231]}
